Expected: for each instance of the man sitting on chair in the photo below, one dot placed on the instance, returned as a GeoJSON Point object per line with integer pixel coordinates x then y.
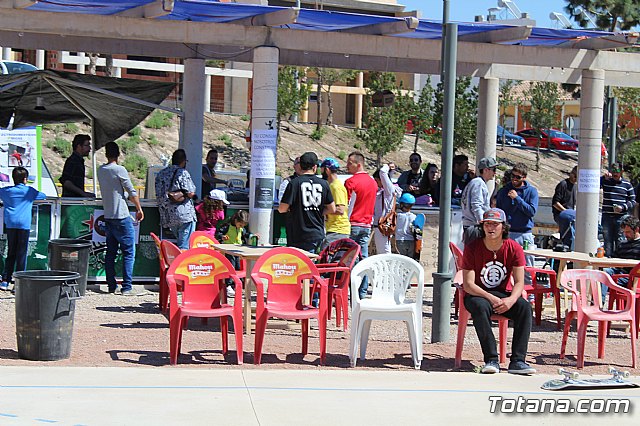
{"type": "Point", "coordinates": [488, 265]}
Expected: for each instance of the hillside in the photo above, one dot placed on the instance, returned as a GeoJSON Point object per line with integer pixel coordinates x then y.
{"type": "Point", "coordinates": [226, 133]}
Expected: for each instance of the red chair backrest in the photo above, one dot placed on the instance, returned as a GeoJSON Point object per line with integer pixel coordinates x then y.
{"type": "Point", "coordinates": [163, 263]}
{"type": "Point", "coordinates": [169, 251]}
{"type": "Point", "coordinates": [202, 272]}
{"type": "Point", "coordinates": [457, 255]}
{"type": "Point", "coordinates": [285, 269]}
{"type": "Point", "coordinates": [345, 252]}
{"type": "Point", "coordinates": [201, 239]}
{"type": "Point", "coordinates": [634, 278]}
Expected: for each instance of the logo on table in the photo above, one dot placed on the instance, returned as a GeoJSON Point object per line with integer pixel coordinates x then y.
{"type": "Point", "coordinates": [283, 269]}
{"type": "Point", "coordinates": [200, 270]}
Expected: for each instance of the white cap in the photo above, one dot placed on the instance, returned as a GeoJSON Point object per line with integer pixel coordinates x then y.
{"type": "Point", "coordinates": [217, 194]}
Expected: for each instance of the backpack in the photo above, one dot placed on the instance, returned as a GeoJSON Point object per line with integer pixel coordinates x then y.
{"type": "Point", "coordinates": [387, 223]}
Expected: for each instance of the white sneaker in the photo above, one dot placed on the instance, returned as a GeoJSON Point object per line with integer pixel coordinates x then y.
{"type": "Point", "coordinates": [231, 292]}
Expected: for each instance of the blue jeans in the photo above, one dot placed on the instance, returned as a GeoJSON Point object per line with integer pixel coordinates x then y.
{"type": "Point", "coordinates": [520, 238]}
{"type": "Point", "coordinates": [623, 281]}
{"type": "Point", "coordinates": [182, 233]}
{"type": "Point", "coordinates": [310, 246]}
{"type": "Point", "coordinates": [361, 236]}
{"type": "Point", "coordinates": [120, 234]}
{"type": "Point", "coordinates": [567, 225]}
{"type": "Point", "coordinates": [611, 233]}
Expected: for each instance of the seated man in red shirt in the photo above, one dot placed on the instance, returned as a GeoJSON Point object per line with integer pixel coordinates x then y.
{"type": "Point", "coordinates": [488, 265]}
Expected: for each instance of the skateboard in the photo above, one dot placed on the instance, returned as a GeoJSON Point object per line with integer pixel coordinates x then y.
{"type": "Point", "coordinates": [418, 224]}
{"type": "Point", "coordinates": [571, 381]}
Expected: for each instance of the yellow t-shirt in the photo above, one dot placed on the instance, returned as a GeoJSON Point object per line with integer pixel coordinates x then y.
{"type": "Point", "coordinates": [339, 223]}
{"type": "Point", "coordinates": [234, 234]}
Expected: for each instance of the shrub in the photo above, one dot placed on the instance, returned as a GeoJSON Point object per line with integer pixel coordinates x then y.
{"type": "Point", "coordinates": [245, 117]}
{"type": "Point", "coordinates": [357, 146]}
{"type": "Point", "coordinates": [159, 120]}
{"type": "Point", "coordinates": [71, 128]}
{"type": "Point", "coordinates": [61, 146]}
{"type": "Point", "coordinates": [129, 145]}
{"type": "Point", "coordinates": [137, 165]}
{"type": "Point", "coordinates": [153, 141]}
{"type": "Point", "coordinates": [317, 134]}
{"type": "Point", "coordinates": [342, 155]}
{"type": "Point", "coordinates": [136, 131]}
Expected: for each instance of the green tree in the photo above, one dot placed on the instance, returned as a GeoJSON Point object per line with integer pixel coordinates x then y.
{"type": "Point", "coordinates": [628, 136]}
{"type": "Point", "coordinates": [610, 15]}
{"type": "Point", "coordinates": [544, 98]}
{"type": "Point", "coordinates": [505, 100]}
{"type": "Point", "coordinates": [292, 94]}
{"type": "Point", "coordinates": [422, 113]}
{"type": "Point", "coordinates": [466, 113]}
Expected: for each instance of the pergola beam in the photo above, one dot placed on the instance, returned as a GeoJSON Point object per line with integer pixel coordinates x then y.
{"type": "Point", "coordinates": [503, 35]}
{"type": "Point", "coordinates": [151, 10]}
{"type": "Point", "coordinates": [271, 19]}
{"type": "Point", "coordinates": [603, 43]}
{"type": "Point", "coordinates": [409, 24]}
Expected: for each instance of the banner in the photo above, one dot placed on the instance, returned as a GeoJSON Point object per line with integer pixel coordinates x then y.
{"type": "Point", "coordinates": [20, 147]}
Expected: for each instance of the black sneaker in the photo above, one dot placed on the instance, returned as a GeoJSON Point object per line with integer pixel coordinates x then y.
{"type": "Point", "coordinates": [491, 367]}
{"type": "Point", "coordinates": [520, 367]}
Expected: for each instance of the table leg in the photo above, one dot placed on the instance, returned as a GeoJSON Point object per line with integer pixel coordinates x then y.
{"type": "Point", "coordinates": [248, 288]}
{"type": "Point", "coordinates": [561, 267]}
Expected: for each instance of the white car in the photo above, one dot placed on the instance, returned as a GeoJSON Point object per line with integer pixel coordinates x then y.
{"type": "Point", "coordinates": [15, 67]}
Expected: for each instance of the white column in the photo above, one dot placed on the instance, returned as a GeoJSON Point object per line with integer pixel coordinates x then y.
{"type": "Point", "coordinates": [40, 59]}
{"type": "Point", "coordinates": [263, 141]}
{"type": "Point", "coordinates": [117, 72]}
{"type": "Point", "coordinates": [80, 66]}
{"type": "Point", "coordinates": [591, 104]}
{"type": "Point", "coordinates": [360, 85]}
{"type": "Point", "coordinates": [7, 54]}
{"type": "Point", "coordinates": [193, 124]}
{"type": "Point", "coordinates": [207, 93]}
{"type": "Point", "coordinates": [487, 129]}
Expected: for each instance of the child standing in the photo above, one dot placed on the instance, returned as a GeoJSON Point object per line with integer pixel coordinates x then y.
{"type": "Point", "coordinates": [18, 202]}
{"type": "Point", "coordinates": [405, 241]}
{"type": "Point", "coordinates": [210, 211]}
{"type": "Point", "coordinates": [234, 232]}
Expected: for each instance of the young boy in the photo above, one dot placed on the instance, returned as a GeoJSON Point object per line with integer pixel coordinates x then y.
{"type": "Point", "coordinates": [18, 201]}
{"type": "Point", "coordinates": [234, 232]}
{"type": "Point", "coordinates": [405, 241]}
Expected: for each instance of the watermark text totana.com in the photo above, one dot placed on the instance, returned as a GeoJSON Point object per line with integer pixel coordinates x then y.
{"type": "Point", "coordinates": [499, 404]}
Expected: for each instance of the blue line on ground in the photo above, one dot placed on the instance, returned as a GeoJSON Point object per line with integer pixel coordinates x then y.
{"type": "Point", "coordinates": [45, 421]}
{"type": "Point", "coordinates": [7, 415]}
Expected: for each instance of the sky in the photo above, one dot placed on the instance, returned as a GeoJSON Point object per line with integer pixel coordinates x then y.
{"type": "Point", "coordinates": [466, 10]}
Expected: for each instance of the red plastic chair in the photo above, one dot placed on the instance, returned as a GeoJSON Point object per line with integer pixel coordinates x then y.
{"type": "Point", "coordinates": [463, 319]}
{"type": "Point", "coordinates": [614, 298]}
{"type": "Point", "coordinates": [169, 252]}
{"type": "Point", "coordinates": [584, 284]}
{"type": "Point", "coordinates": [538, 291]}
{"type": "Point", "coordinates": [285, 270]}
{"type": "Point", "coordinates": [162, 285]}
{"type": "Point", "coordinates": [201, 239]}
{"type": "Point", "coordinates": [457, 259]}
{"type": "Point", "coordinates": [202, 273]}
{"type": "Point", "coordinates": [338, 275]}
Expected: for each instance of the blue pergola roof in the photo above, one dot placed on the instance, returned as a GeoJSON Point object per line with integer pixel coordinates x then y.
{"type": "Point", "coordinates": [311, 20]}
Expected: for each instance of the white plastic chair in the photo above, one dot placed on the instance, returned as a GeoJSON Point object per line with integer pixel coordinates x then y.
{"type": "Point", "coordinates": [390, 276]}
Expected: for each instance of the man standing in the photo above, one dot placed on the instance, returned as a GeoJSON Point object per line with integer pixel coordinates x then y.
{"type": "Point", "coordinates": [179, 217]}
{"type": "Point", "coordinates": [114, 182]}
{"type": "Point", "coordinates": [618, 199]}
{"type": "Point", "coordinates": [409, 181]}
{"type": "Point", "coordinates": [362, 190]}
{"type": "Point", "coordinates": [18, 202]}
{"type": "Point", "coordinates": [563, 204]}
{"type": "Point", "coordinates": [209, 179]}
{"type": "Point", "coordinates": [476, 200]}
{"type": "Point", "coordinates": [460, 178]}
{"type": "Point", "coordinates": [629, 249]}
{"type": "Point", "coordinates": [519, 200]}
{"type": "Point", "coordinates": [296, 172]}
{"type": "Point", "coordinates": [337, 224]}
{"type": "Point", "coordinates": [308, 199]}
{"type": "Point", "coordinates": [487, 266]}
{"type": "Point", "coordinates": [73, 172]}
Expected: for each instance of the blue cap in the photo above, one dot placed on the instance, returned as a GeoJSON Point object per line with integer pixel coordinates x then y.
{"type": "Point", "coordinates": [331, 163]}
{"type": "Point", "coordinates": [407, 199]}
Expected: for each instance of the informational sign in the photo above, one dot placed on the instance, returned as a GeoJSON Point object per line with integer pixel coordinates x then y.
{"type": "Point", "coordinates": [589, 180]}
{"type": "Point", "coordinates": [20, 147]}
{"type": "Point", "coordinates": [263, 167]}
{"type": "Point", "coordinates": [99, 234]}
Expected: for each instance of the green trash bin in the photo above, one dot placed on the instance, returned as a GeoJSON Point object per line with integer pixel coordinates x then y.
{"type": "Point", "coordinates": [71, 254]}
{"type": "Point", "coordinates": [45, 305]}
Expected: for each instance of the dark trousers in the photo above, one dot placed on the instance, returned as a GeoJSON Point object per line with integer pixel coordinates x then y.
{"type": "Point", "coordinates": [18, 242]}
{"type": "Point", "coordinates": [235, 262]}
{"type": "Point", "coordinates": [520, 313]}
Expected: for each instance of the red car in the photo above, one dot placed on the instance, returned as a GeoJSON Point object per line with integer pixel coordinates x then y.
{"type": "Point", "coordinates": [559, 140]}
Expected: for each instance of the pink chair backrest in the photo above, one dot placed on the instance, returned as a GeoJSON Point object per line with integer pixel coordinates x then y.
{"type": "Point", "coordinates": [201, 239]}
{"type": "Point", "coordinates": [169, 251]}
{"type": "Point", "coordinates": [634, 278]}
{"type": "Point", "coordinates": [457, 255]}
{"type": "Point", "coordinates": [585, 285]}
{"type": "Point", "coordinates": [156, 240]}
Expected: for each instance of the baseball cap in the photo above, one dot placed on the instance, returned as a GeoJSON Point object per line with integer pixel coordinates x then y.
{"type": "Point", "coordinates": [487, 163]}
{"type": "Point", "coordinates": [330, 163]}
{"type": "Point", "coordinates": [494, 215]}
{"type": "Point", "coordinates": [217, 194]}
{"type": "Point", "coordinates": [308, 160]}
{"type": "Point", "coordinates": [615, 168]}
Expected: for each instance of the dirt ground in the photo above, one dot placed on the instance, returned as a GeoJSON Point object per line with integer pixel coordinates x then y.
{"type": "Point", "coordinates": [116, 331]}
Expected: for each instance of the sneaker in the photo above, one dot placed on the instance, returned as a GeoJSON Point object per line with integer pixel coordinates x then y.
{"type": "Point", "coordinates": [491, 367]}
{"type": "Point", "coordinates": [231, 292]}
{"type": "Point", "coordinates": [520, 367]}
{"type": "Point", "coordinates": [4, 286]}
{"type": "Point", "coordinates": [131, 292]}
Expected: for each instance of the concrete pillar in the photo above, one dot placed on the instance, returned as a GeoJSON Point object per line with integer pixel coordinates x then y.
{"type": "Point", "coordinates": [207, 94]}
{"type": "Point", "coordinates": [359, 99]}
{"type": "Point", "coordinates": [117, 72]}
{"type": "Point", "coordinates": [193, 124]}
{"type": "Point", "coordinates": [40, 59]}
{"type": "Point", "coordinates": [7, 54]}
{"type": "Point", "coordinates": [487, 129]}
{"type": "Point", "coordinates": [80, 66]}
{"type": "Point", "coordinates": [591, 107]}
{"type": "Point", "coordinates": [263, 141]}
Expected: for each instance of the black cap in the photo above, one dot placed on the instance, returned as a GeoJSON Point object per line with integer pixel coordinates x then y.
{"type": "Point", "coordinates": [308, 160]}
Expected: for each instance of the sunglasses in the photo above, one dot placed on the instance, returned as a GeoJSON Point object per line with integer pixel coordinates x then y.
{"type": "Point", "coordinates": [516, 177]}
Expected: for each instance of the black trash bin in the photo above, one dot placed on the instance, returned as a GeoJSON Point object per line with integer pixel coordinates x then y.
{"type": "Point", "coordinates": [45, 304]}
{"type": "Point", "coordinates": [71, 254]}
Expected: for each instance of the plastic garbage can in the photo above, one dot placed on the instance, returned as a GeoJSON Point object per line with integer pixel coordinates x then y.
{"type": "Point", "coordinates": [45, 304]}
{"type": "Point", "coordinates": [71, 254]}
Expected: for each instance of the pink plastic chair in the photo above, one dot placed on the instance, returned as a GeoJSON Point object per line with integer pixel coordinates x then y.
{"type": "Point", "coordinates": [202, 273]}
{"type": "Point", "coordinates": [201, 239]}
{"type": "Point", "coordinates": [584, 284]}
{"type": "Point", "coordinates": [539, 291]}
{"type": "Point", "coordinates": [338, 275]}
{"type": "Point", "coordinates": [169, 252]}
{"type": "Point", "coordinates": [162, 285]}
{"type": "Point", "coordinates": [285, 270]}
{"type": "Point", "coordinates": [457, 259]}
{"type": "Point", "coordinates": [617, 299]}
{"type": "Point", "coordinates": [463, 319]}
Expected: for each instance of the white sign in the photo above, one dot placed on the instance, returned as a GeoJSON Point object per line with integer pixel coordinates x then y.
{"type": "Point", "coordinates": [263, 167]}
{"type": "Point", "coordinates": [20, 147]}
{"type": "Point", "coordinates": [589, 180]}
{"type": "Point", "coordinates": [99, 227]}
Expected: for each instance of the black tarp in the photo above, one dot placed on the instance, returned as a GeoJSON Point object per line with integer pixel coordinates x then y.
{"type": "Point", "coordinates": [113, 116]}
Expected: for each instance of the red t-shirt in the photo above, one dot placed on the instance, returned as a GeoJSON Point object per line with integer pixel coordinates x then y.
{"type": "Point", "coordinates": [364, 188]}
{"type": "Point", "coordinates": [492, 273]}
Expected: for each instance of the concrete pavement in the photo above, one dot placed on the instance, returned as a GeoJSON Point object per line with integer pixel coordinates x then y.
{"type": "Point", "coordinates": [236, 396]}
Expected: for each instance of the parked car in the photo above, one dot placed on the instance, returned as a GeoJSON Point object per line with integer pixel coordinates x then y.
{"type": "Point", "coordinates": [509, 138]}
{"type": "Point", "coordinates": [15, 67]}
{"type": "Point", "coordinates": [559, 140]}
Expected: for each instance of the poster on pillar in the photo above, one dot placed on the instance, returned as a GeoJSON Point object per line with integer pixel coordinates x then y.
{"type": "Point", "coordinates": [20, 148]}
{"type": "Point", "coordinates": [589, 180]}
{"type": "Point", "coordinates": [263, 167]}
